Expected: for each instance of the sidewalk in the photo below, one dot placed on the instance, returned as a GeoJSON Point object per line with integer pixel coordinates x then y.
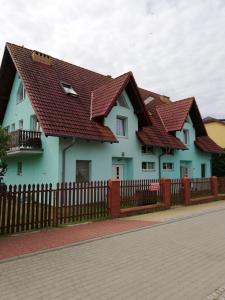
{"type": "Point", "coordinates": [20, 244]}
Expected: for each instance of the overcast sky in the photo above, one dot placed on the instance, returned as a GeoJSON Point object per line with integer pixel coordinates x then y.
{"type": "Point", "coordinates": [175, 48]}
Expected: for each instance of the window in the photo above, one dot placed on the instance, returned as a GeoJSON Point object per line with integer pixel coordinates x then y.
{"type": "Point", "coordinates": [82, 170]}
{"type": "Point", "coordinates": [167, 166]}
{"type": "Point", "coordinates": [34, 123]}
{"type": "Point", "coordinates": [186, 136]}
{"type": "Point", "coordinates": [121, 124]}
{"type": "Point", "coordinates": [7, 129]}
{"type": "Point", "coordinates": [147, 149]}
{"type": "Point", "coordinates": [21, 93]}
{"type": "Point", "coordinates": [148, 166]}
{"type": "Point", "coordinates": [203, 170]}
{"type": "Point", "coordinates": [68, 89]}
{"type": "Point", "coordinates": [19, 168]}
{"type": "Point", "coordinates": [122, 101]}
{"type": "Point", "coordinates": [21, 124]}
{"type": "Point", "coordinates": [168, 151]}
{"type": "Point", "coordinates": [13, 127]}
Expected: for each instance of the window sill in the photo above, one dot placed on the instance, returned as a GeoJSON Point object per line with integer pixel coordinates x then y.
{"type": "Point", "coordinates": [122, 137]}
{"type": "Point", "coordinates": [149, 170]}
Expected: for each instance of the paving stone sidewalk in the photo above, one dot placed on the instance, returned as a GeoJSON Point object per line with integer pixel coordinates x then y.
{"type": "Point", "coordinates": [20, 244]}
{"type": "Point", "coordinates": [218, 294]}
{"type": "Point", "coordinates": [12, 246]}
{"type": "Point", "coordinates": [171, 261]}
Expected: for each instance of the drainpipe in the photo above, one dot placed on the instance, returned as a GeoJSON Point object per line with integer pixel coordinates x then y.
{"type": "Point", "coordinates": [159, 162]}
{"type": "Point", "coordinates": [64, 159]}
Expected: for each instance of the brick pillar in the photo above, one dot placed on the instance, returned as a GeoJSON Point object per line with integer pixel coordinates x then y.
{"type": "Point", "coordinates": [186, 190]}
{"type": "Point", "coordinates": [114, 197]}
{"type": "Point", "coordinates": [165, 184]}
{"type": "Point", "coordinates": [214, 186]}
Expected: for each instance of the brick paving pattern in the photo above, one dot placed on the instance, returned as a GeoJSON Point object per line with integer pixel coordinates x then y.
{"type": "Point", "coordinates": [37, 241]}
{"type": "Point", "coordinates": [218, 294]}
{"type": "Point", "coordinates": [180, 260]}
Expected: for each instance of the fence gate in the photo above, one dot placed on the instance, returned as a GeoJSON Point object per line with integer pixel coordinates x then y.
{"type": "Point", "coordinates": [176, 192]}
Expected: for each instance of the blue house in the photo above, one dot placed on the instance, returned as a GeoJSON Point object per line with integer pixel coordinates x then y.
{"type": "Point", "coordinates": [67, 123]}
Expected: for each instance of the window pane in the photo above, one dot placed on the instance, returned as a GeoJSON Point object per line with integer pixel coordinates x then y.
{"type": "Point", "coordinates": [121, 127]}
{"type": "Point", "coordinates": [82, 170]}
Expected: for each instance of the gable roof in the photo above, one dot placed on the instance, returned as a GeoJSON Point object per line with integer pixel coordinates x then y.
{"type": "Point", "coordinates": [105, 97]}
{"type": "Point", "coordinates": [156, 135]}
{"type": "Point", "coordinates": [172, 116]}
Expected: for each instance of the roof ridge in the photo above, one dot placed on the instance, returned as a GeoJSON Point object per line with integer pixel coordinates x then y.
{"type": "Point", "coordinates": [111, 81]}
{"type": "Point", "coordinates": [61, 60]}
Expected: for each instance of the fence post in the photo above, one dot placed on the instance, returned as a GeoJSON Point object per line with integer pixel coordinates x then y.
{"type": "Point", "coordinates": [214, 186]}
{"type": "Point", "coordinates": [165, 184]}
{"type": "Point", "coordinates": [186, 191]}
{"type": "Point", "coordinates": [114, 197]}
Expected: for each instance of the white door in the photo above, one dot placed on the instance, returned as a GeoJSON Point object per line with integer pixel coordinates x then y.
{"type": "Point", "coordinates": [117, 171]}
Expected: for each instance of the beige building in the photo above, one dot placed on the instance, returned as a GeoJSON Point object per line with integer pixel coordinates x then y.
{"type": "Point", "coordinates": [216, 130]}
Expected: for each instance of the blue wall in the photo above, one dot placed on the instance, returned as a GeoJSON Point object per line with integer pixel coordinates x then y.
{"type": "Point", "coordinates": [37, 168]}
{"type": "Point", "coordinates": [47, 167]}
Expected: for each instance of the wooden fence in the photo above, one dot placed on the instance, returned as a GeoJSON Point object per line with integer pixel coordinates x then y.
{"type": "Point", "coordinates": [29, 207]}
{"type": "Point", "coordinates": [139, 192]}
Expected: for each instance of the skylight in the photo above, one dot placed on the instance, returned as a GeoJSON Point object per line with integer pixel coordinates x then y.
{"type": "Point", "coordinates": [68, 89]}
{"type": "Point", "coordinates": [148, 100]}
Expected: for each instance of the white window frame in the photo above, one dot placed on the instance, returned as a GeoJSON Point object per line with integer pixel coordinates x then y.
{"type": "Point", "coordinates": [150, 166]}
{"type": "Point", "coordinates": [186, 136]}
{"type": "Point", "coordinates": [68, 89]}
{"type": "Point", "coordinates": [13, 127]}
{"type": "Point", "coordinates": [21, 93]}
{"type": "Point", "coordinates": [21, 124]}
{"type": "Point", "coordinates": [147, 149]}
{"type": "Point", "coordinates": [34, 124]}
{"type": "Point", "coordinates": [166, 164]}
{"type": "Point", "coordinates": [122, 102]}
{"type": "Point", "coordinates": [19, 168]}
{"type": "Point", "coordinates": [124, 122]}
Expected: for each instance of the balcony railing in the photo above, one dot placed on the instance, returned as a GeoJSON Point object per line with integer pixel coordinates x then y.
{"type": "Point", "coordinates": [25, 139]}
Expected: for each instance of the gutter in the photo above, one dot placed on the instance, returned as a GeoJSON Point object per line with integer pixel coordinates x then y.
{"type": "Point", "coordinates": [64, 159]}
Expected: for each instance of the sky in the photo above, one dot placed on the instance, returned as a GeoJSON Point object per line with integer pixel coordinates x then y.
{"type": "Point", "coordinates": [173, 47]}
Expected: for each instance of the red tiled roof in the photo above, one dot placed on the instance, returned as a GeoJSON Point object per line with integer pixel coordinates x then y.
{"type": "Point", "coordinates": [60, 114]}
{"type": "Point", "coordinates": [206, 144]}
{"type": "Point", "coordinates": [145, 94]}
{"type": "Point", "coordinates": [104, 97]}
{"type": "Point", "coordinates": [173, 115]}
{"type": "Point", "coordinates": [156, 135]}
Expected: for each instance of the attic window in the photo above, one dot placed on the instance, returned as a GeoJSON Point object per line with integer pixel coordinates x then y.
{"type": "Point", "coordinates": [21, 93]}
{"type": "Point", "coordinates": [68, 89]}
{"type": "Point", "coordinates": [122, 101]}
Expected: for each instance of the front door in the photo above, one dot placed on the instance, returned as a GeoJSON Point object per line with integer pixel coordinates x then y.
{"type": "Point", "coordinates": [185, 171]}
{"type": "Point", "coordinates": [117, 171]}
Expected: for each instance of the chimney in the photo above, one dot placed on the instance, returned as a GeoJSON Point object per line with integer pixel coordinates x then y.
{"type": "Point", "coordinates": [41, 58]}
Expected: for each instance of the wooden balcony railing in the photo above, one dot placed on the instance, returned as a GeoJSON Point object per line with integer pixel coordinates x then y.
{"type": "Point", "coordinates": [25, 139]}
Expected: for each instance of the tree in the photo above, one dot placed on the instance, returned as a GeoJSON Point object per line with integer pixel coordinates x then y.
{"type": "Point", "coordinates": [4, 139]}
{"type": "Point", "coordinates": [218, 165]}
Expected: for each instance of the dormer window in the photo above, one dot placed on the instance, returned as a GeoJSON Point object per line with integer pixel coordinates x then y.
{"type": "Point", "coordinates": [21, 93]}
{"type": "Point", "coordinates": [68, 89]}
{"type": "Point", "coordinates": [122, 101]}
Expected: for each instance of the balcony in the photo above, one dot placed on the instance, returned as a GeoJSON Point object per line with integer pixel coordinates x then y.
{"type": "Point", "coordinates": [24, 142]}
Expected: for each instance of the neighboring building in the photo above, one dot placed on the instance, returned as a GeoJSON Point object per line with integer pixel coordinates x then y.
{"type": "Point", "coordinates": [68, 123]}
{"type": "Point", "coordinates": [216, 130]}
